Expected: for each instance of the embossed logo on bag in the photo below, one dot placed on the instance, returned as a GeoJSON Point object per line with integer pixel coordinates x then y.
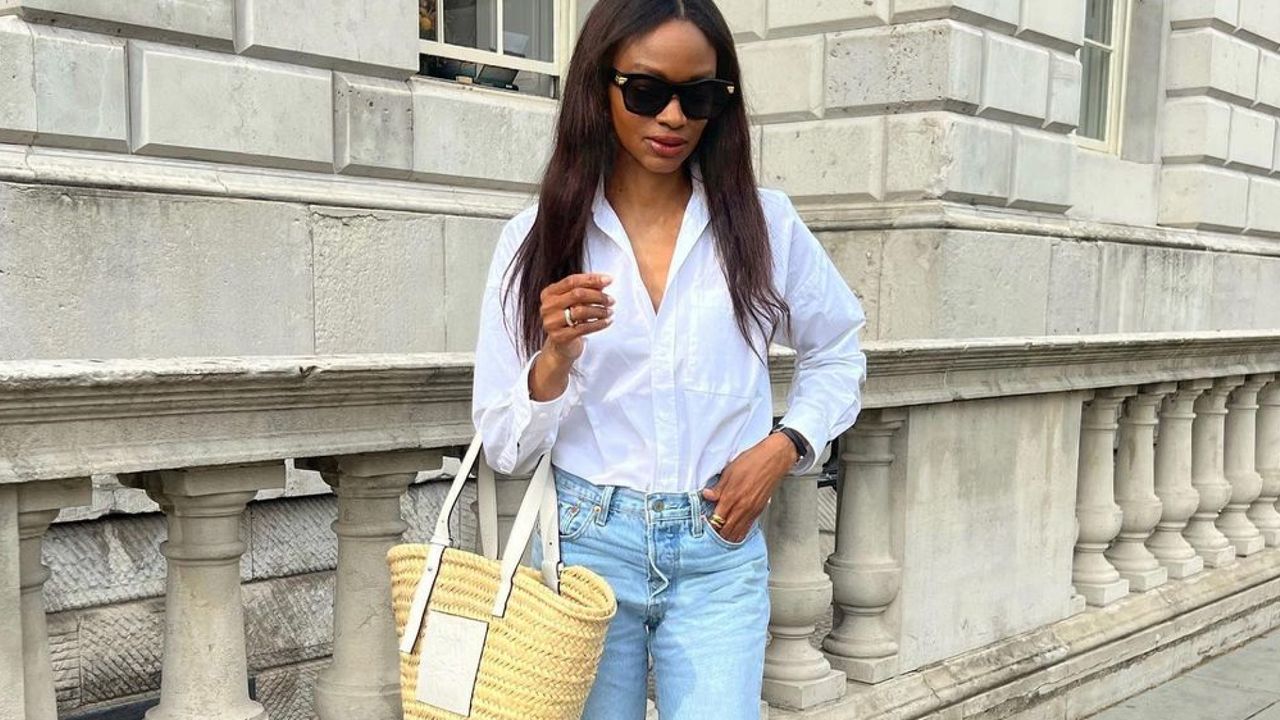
{"type": "Point", "coordinates": [451, 650]}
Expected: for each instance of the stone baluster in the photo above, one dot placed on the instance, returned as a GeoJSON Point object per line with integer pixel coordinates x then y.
{"type": "Point", "coordinates": [1173, 482]}
{"type": "Point", "coordinates": [12, 664]}
{"type": "Point", "coordinates": [1135, 490]}
{"type": "Point", "coordinates": [1099, 516]}
{"type": "Point", "coordinates": [363, 680]}
{"type": "Point", "coordinates": [864, 571]}
{"type": "Point", "coordinates": [1207, 474]}
{"type": "Point", "coordinates": [1239, 460]}
{"type": "Point", "coordinates": [510, 493]}
{"type": "Point", "coordinates": [1263, 512]}
{"type": "Point", "coordinates": [796, 675]}
{"type": "Point", "coordinates": [1076, 603]}
{"type": "Point", "coordinates": [205, 673]}
{"type": "Point", "coordinates": [26, 510]}
{"type": "Point", "coordinates": [38, 505]}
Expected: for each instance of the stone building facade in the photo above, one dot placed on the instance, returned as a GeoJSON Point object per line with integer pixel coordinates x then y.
{"type": "Point", "coordinates": [249, 178]}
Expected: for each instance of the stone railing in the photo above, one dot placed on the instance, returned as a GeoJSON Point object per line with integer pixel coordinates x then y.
{"type": "Point", "coordinates": [979, 512]}
{"type": "Point", "coordinates": [992, 494]}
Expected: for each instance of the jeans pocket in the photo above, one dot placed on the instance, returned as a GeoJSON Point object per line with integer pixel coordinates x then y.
{"type": "Point", "coordinates": [575, 518]}
{"type": "Point", "coordinates": [717, 538]}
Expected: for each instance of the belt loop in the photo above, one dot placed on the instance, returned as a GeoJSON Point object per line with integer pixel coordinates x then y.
{"type": "Point", "coordinates": [695, 510]}
{"type": "Point", "coordinates": [606, 499]}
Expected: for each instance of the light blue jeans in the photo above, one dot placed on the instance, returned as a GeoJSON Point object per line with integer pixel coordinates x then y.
{"type": "Point", "coordinates": [694, 602]}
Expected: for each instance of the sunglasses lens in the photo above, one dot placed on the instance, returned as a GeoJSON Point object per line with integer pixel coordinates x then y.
{"type": "Point", "coordinates": [703, 101]}
{"type": "Point", "coordinates": [646, 97]}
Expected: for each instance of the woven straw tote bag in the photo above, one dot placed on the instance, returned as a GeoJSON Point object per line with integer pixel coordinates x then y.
{"type": "Point", "coordinates": [486, 639]}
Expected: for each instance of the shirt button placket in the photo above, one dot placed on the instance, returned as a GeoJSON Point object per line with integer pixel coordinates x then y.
{"type": "Point", "coordinates": [667, 425]}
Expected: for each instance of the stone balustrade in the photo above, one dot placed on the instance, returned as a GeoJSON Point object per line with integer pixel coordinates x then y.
{"type": "Point", "coordinates": [984, 486]}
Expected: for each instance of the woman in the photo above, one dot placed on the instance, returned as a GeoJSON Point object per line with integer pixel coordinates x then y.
{"type": "Point", "coordinates": [624, 330]}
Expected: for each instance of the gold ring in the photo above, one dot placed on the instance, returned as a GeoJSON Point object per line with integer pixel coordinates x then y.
{"type": "Point", "coordinates": [716, 521]}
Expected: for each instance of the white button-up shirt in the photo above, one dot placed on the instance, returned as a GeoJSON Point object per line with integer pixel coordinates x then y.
{"type": "Point", "coordinates": [661, 402]}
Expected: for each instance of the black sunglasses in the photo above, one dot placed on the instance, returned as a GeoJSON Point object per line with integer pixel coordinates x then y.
{"type": "Point", "coordinates": [648, 95]}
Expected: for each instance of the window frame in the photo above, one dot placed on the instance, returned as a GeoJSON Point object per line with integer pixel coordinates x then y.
{"type": "Point", "coordinates": [561, 31]}
{"type": "Point", "coordinates": [1117, 81]}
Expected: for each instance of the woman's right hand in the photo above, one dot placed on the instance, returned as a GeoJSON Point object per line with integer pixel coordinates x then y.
{"type": "Point", "coordinates": [591, 309]}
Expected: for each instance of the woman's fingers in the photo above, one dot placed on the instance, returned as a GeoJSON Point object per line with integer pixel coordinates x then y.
{"type": "Point", "coordinates": [581, 296]}
{"type": "Point", "coordinates": [555, 318]}
{"type": "Point", "coordinates": [588, 282]}
{"type": "Point", "coordinates": [587, 313]}
{"type": "Point", "coordinates": [731, 505]}
{"type": "Point", "coordinates": [729, 532]}
{"type": "Point", "coordinates": [733, 530]}
{"type": "Point", "coordinates": [561, 333]}
{"type": "Point", "coordinates": [741, 526]}
{"type": "Point", "coordinates": [568, 334]}
{"type": "Point", "coordinates": [728, 511]}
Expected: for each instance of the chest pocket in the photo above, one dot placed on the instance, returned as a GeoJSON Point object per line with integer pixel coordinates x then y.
{"type": "Point", "coordinates": [719, 360]}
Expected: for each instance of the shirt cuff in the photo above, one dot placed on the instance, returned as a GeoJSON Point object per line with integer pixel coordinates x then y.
{"type": "Point", "coordinates": [538, 419]}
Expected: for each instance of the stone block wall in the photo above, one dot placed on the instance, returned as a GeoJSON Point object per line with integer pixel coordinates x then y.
{"type": "Point", "coordinates": [1221, 135]}
{"type": "Point", "coordinates": [338, 196]}
{"type": "Point", "coordinates": [949, 283]}
{"type": "Point", "coordinates": [110, 273]}
{"type": "Point", "coordinates": [1015, 541]}
{"type": "Point", "coordinates": [974, 102]}
{"type": "Point", "coordinates": [880, 102]}
{"type": "Point", "coordinates": [329, 89]}
{"type": "Point", "coordinates": [237, 149]}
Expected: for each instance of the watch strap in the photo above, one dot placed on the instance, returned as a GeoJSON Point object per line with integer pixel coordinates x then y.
{"type": "Point", "coordinates": [801, 445]}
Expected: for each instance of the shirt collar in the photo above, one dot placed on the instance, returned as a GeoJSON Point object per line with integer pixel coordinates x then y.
{"type": "Point", "coordinates": [696, 214]}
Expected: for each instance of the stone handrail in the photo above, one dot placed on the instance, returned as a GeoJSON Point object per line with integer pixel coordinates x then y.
{"type": "Point", "coordinates": [202, 436]}
{"type": "Point", "coordinates": [162, 413]}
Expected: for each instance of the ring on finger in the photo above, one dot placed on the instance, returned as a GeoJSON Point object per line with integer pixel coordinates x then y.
{"type": "Point", "coordinates": [716, 521]}
{"type": "Point", "coordinates": [568, 317]}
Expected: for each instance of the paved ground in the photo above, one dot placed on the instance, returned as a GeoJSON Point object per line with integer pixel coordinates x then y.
{"type": "Point", "coordinates": [1244, 684]}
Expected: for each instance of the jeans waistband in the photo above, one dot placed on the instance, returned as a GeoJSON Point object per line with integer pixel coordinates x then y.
{"type": "Point", "coordinates": [655, 507]}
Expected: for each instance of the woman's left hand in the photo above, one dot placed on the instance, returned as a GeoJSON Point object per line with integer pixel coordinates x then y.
{"type": "Point", "coordinates": [747, 483]}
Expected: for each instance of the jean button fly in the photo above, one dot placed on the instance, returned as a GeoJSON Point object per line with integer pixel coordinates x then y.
{"type": "Point", "coordinates": [657, 506]}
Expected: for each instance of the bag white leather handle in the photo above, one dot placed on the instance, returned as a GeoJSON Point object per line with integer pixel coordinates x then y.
{"type": "Point", "coordinates": [539, 498]}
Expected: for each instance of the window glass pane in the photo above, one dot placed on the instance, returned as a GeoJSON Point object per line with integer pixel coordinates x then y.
{"type": "Point", "coordinates": [529, 28]}
{"type": "Point", "coordinates": [528, 32]}
{"type": "Point", "coordinates": [488, 75]}
{"type": "Point", "coordinates": [427, 20]}
{"type": "Point", "coordinates": [1097, 20]}
{"type": "Point", "coordinates": [532, 83]}
{"type": "Point", "coordinates": [1094, 91]}
{"type": "Point", "coordinates": [470, 23]}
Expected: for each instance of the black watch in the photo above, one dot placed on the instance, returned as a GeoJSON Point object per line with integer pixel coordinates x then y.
{"type": "Point", "coordinates": [802, 446]}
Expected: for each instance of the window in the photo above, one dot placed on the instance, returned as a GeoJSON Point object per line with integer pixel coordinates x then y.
{"type": "Point", "coordinates": [517, 45]}
{"type": "Point", "coordinates": [1102, 86]}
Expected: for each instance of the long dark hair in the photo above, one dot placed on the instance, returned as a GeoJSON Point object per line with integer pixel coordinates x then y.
{"type": "Point", "coordinates": [584, 150]}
